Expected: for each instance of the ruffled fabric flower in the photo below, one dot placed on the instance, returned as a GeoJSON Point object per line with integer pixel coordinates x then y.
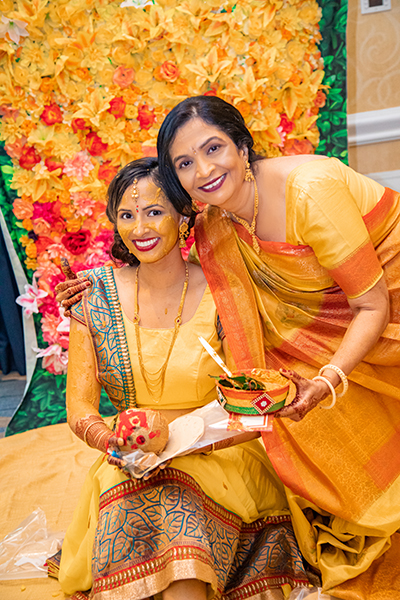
{"type": "Point", "coordinates": [31, 299]}
{"type": "Point", "coordinates": [79, 166]}
{"type": "Point", "coordinates": [55, 359]}
{"type": "Point", "coordinates": [83, 204]}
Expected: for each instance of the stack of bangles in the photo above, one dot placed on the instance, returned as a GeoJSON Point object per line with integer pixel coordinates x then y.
{"type": "Point", "coordinates": [343, 378]}
{"type": "Point", "coordinates": [96, 433]}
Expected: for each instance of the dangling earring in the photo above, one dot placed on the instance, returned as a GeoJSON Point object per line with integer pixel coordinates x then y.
{"type": "Point", "coordinates": [195, 206]}
{"type": "Point", "coordinates": [248, 175]}
{"type": "Point", "coordinates": [183, 234]}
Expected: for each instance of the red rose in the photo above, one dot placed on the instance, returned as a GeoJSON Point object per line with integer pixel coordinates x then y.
{"type": "Point", "coordinates": [286, 124]}
{"type": "Point", "coordinates": [210, 93]}
{"type": "Point", "coordinates": [78, 125]}
{"type": "Point", "coordinates": [53, 164]}
{"type": "Point", "coordinates": [117, 107]}
{"type": "Point", "coordinates": [29, 157]}
{"type": "Point", "coordinates": [94, 145]}
{"type": "Point", "coordinates": [52, 114]}
{"type": "Point", "coordinates": [77, 242]}
{"type": "Point", "coordinates": [146, 117]}
{"type": "Point", "coordinates": [107, 172]}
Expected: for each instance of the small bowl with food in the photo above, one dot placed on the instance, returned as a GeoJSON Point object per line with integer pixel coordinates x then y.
{"type": "Point", "coordinates": [253, 391]}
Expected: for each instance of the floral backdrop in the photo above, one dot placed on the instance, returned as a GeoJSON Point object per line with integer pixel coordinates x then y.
{"type": "Point", "coordinates": [84, 88]}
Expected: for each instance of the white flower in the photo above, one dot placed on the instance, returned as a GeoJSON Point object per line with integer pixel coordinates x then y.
{"type": "Point", "coordinates": [136, 3]}
{"type": "Point", "coordinates": [14, 28]}
{"type": "Point", "coordinates": [65, 323]}
{"type": "Point", "coordinates": [29, 300]}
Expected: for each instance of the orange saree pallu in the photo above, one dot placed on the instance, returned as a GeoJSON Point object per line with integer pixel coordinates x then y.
{"type": "Point", "coordinates": [283, 309]}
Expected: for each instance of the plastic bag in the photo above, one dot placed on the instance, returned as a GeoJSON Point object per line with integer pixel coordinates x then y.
{"type": "Point", "coordinates": [208, 424]}
{"type": "Point", "coordinates": [313, 593]}
{"type": "Point", "coordinates": [24, 551]}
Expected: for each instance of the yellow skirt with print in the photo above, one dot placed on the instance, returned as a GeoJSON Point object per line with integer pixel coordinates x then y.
{"type": "Point", "coordinates": [221, 518]}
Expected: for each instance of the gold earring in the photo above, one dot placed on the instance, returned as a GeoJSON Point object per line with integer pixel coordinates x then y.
{"type": "Point", "coordinates": [135, 191]}
{"type": "Point", "coordinates": [195, 206]}
{"type": "Point", "coordinates": [248, 174]}
{"type": "Point", "coordinates": [183, 234]}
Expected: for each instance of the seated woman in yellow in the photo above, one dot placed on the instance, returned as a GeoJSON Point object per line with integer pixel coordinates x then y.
{"type": "Point", "coordinates": [207, 525]}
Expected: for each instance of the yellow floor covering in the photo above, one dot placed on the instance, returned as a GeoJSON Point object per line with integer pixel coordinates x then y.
{"type": "Point", "coordinates": [42, 468]}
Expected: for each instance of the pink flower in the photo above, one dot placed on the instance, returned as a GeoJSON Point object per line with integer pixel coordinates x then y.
{"type": "Point", "coordinates": [123, 76]}
{"type": "Point", "coordinates": [83, 204]}
{"type": "Point", "coordinates": [54, 359]}
{"type": "Point", "coordinates": [49, 307]}
{"type": "Point", "coordinates": [64, 325]}
{"type": "Point", "coordinates": [29, 300]}
{"type": "Point", "coordinates": [79, 166]}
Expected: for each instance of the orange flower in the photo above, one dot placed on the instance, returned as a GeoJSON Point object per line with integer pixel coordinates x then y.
{"type": "Point", "coordinates": [320, 99]}
{"type": "Point", "coordinates": [123, 76]}
{"type": "Point", "coordinates": [52, 114]}
{"type": "Point", "coordinates": [117, 107]}
{"type": "Point", "coordinates": [47, 85]}
{"type": "Point", "coordinates": [146, 117]}
{"type": "Point", "coordinates": [27, 224]}
{"type": "Point", "coordinates": [22, 209]}
{"type": "Point", "coordinates": [31, 250]}
{"type": "Point", "coordinates": [94, 145]}
{"type": "Point", "coordinates": [107, 172]}
{"type": "Point", "coordinates": [168, 71]}
{"type": "Point", "coordinates": [294, 146]}
{"type": "Point", "coordinates": [29, 158]}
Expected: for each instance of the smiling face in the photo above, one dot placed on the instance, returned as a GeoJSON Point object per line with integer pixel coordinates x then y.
{"type": "Point", "coordinates": [208, 163]}
{"type": "Point", "coordinates": [148, 225]}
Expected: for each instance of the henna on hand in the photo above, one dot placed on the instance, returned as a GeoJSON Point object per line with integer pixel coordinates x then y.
{"type": "Point", "coordinates": [94, 432]}
{"type": "Point", "coordinates": [308, 395]}
{"type": "Point", "coordinates": [70, 291]}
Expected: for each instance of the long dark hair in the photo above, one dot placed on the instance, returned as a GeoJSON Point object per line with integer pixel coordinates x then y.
{"type": "Point", "coordinates": [137, 169]}
{"type": "Point", "coordinates": [212, 110]}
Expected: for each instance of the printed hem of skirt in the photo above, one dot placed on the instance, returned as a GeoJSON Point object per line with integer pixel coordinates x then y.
{"type": "Point", "coordinates": [184, 568]}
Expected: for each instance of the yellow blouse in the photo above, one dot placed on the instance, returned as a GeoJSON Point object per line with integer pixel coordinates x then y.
{"type": "Point", "coordinates": [187, 381]}
{"type": "Point", "coordinates": [325, 205]}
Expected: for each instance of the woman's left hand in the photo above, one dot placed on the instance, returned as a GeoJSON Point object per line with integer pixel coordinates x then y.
{"type": "Point", "coordinates": [309, 394]}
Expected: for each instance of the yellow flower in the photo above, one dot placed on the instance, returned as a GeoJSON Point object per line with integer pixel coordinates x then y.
{"type": "Point", "coordinates": [110, 130]}
{"type": "Point", "coordinates": [10, 129]}
{"type": "Point", "coordinates": [210, 67]}
{"type": "Point", "coordinates": [31, 263]}
{"type": "Point", "coordinates": [93, 110]}
{"type": "Point", "coordinates": [247, 89]}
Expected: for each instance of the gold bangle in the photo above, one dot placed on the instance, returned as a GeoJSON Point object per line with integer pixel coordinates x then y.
{"type": "Point", "coordinates": [342, 376]}
{"type": "Point", "coordinates": [330, 386]}
{"type": "Point", "coordinates": [209, 451]}
{"type": "Point", "coordinates": [100, 420]}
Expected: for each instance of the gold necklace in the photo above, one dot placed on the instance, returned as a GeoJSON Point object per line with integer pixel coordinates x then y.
{"type": "Point", "coordinates": [155, 381]}
{"type": "Point", "coordinates": [251, 228]}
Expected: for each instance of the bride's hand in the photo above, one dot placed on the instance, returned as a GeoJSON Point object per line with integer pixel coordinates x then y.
{"type": "Point", "coordinates": [114, 444]}
{"type": "Point", "coordinates": [70, 291]}
{"type": "Point", "coordinates": [308, 395]}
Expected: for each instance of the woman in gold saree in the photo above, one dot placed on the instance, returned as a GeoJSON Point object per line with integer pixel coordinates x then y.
{"type": "Point", "coordinates": [212, 525]}
{"type": "Point", "coordinates": [302, 256]}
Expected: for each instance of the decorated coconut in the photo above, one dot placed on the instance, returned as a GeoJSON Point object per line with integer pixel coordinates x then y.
{"type": "Point", "coordinates": [141, 429]}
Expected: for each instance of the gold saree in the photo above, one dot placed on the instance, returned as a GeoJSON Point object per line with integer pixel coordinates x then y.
{"type": "Point", "coordinates": [341, 467]}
